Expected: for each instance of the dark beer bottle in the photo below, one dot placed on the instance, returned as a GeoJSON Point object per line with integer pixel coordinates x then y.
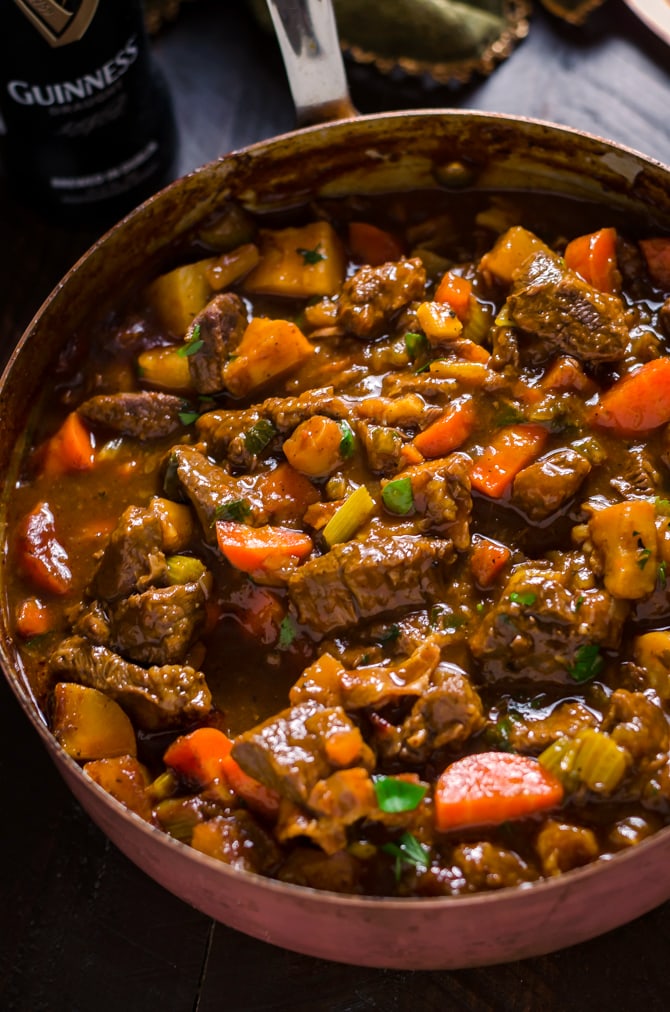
{"type": "Point", "coordinates": [89, 122]}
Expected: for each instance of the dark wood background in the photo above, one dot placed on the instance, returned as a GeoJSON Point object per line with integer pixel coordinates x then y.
{"type": "Point", "coordinates": [81, 929]}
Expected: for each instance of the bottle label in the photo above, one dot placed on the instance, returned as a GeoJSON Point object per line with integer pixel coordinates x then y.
{"type": "Point", "coordinates": [58, 25]}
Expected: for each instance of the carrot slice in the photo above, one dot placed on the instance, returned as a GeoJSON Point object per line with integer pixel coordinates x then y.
{"type": "Point", "coordinates": [71, 448]}
{"type": "Point", "coordinates": [489, 788]}
{"type": "Point", "coordinates": [511, 450]}
{"type": "Point", "coordinates": [372, 245]}
{"type": "Point", "coordinates": [456, 291]}
{"type": "Point", "coordinates": [260, 548]}
{"type": "Point", "coordinates": [203, 756]}
{"type": "Point", "coordinates": [638, 402]}
{"type": "Point", "coordinates": [594, 258]}
{"type": "Point", "coordinates": [34, 618]}
{"type": "Point", "coordinates": [487, 560]}
{"type": "Point", "coordinates": [449, 431]}
{"type": "Point", "coordinates": [40, 554]}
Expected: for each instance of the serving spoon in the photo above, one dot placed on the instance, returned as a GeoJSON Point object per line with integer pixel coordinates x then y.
{"type": "Point", "coordinates": [310, 47]}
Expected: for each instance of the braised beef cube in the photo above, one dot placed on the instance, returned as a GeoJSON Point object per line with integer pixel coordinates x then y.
{"type": "Point", "coordinates": [541, 629]}
{"type": "Point", "coordinates": [160, 625]}
{"type": "Point", "coordinates": [207, 486]}
{"type": "Point", "coordinates": [334, 803]}
{"type": "Point", "coordinates": [446, 714]}
{"type": "Point", "coordinates": [290, 751]}
{"type": "Point", "coordinates": [306, 866]}
{"type": "Point", "coordinates": [215, 332]}
{"type": "Point", "coordinates": [155, 697]}
{"type": "Point", "coordinates": [441, 494]}
{"type": "Point", "coordinates": [373, 295]}
{"type": "Point", "coordinates": [237, 839]}
{"type": "Point", "coordinates": [133, 558]}
{"type": "Point", "coordinates": [637, 723]}
{"type": "Point", "coordinates": [92, 621]}
{"type": "Point", "coordinates": [145, 414]}
{"type": "Point", "coordinates": [531, 735]}
{"type": "Point", "coordinates": [637, 473]}
{"type": "Point", "coordinates": [561, 846]}
{"type": "Point", "coordinates": [545, 486]}
{"type": "Point", "coordinates": [664, 317]}
{"type": "Point", "coordinates": [487, 866]}
{"type": "Point", "coordinates": [555, 304]}
{"type": "Point", "coordinates": [360, 580]}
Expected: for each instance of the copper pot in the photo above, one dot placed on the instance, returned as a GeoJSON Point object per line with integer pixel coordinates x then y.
{"type": "Point", "coordinates": [391, 151]}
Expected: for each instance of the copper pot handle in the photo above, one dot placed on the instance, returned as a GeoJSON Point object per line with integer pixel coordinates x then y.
{"type": "Point", "coordinates": [310, 47]}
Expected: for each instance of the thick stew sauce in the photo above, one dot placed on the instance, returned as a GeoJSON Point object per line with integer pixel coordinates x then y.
{"type": "Point", "coordinates": [341, 552]}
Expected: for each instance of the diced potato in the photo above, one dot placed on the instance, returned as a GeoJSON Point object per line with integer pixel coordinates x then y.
{"type": "Point", "coordinates": [230, 267]}
{"type": "Point", "coordinates": [624, 535]}
{"type": "Point", "coordinates": [313, 448]}
{"type": "Point", "coordinates": [176, 521]}
{"type": "Point", "coordinates": [179, 295]}
{"type": "Point", "coordinates": [299, 262]}
{"type": "Point", "coordinates": [512, 252]}
{"type": "Point", "coordinates": [90, 725]}
{"type": "Point", "coordinates": [439, 322]}
{"type": "Point", "coordinates": [652, 652]}
{"type": "Point", "coordinates": [126, 779]}
{"type": "Point", "coordinates": [268, 349]}
{"type": "Point", "coordinates": [165, 368]}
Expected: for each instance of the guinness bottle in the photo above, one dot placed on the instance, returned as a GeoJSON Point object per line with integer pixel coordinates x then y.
{"type": "Point", "coordinates": [89, 123]}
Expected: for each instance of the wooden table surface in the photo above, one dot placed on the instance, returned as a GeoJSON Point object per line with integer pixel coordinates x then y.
{"type": "Point", "coordinates": [83, 930]}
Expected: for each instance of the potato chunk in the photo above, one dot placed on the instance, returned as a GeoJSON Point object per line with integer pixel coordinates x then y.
{"type": "Point", "coordinates": [268, 349]}
{"type": "Point", "coordinates": [298, 262]}
{"type": "Point", "coordinates": [90, 725]}
{"type": "Point", "coordinates": [179, 295]}
{"type": "Point", "coordinates": [624, 535]}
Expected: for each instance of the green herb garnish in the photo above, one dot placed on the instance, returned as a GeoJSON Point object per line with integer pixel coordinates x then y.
{"type": "Point", "coordinates": [347, 442]}
{"type": "Point", "coordinates": [233, 509]}
{"type": "Point", "coordinates": [444, 618]}
{"type": "Point", "coordinates": [526, 597]}
{"type": "Point", "coordinates": [588, 663]}
{"type": "Point", "coordinates": [258, 436]}
{"type": "Point", "coordinates": [287, 633]}
{"type": "Point", "coordinates": [192, 344]}
{"type": "Point", "coordinates": [395, 795]}
{"type": "Point", "coordinates": [311, 256]}
{"type": "Point", "coordinates": [188, 417]}
{"type": "Point", "coordinates": [390, 634]}
{"type": "Point", "coordinates": [415, 343]}
{"type": "Point", "coordinates": [408, 850]}
{"type": "Point", "coordinates": [662, 574]}
{"type": "Point", "coordinates": [398, 497]}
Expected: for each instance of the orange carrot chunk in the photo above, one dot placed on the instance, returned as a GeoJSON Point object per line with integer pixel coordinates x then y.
{"type": "Point", "coordinates": [71, 448]}
{"type": "Point", "coordinates": [260, 548]}
{"type": "Point", "coordinates": [487, 560]}
{"type": "Point", "coordinates": [40, 555]}
{"type": "Point", "coordinates": [511, 450]}
{"type": "Point", "coordinates": [489, 788]}
{"type": "Point", "coordinates": [449, 431]}
{"type": "Point", "coordinates": [456, 292]}
{"type": "Point", "coordinates": [594, 258]}
{"type": "Point", "coordinates": [372, 245]}
{"type": "Point", "coordinates": [638, 402]}
{"type": "Point", "coordinates": [34, 618]}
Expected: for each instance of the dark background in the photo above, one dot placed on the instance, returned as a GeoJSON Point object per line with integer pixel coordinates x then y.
{"type": "Point", "coordinates": [81, 929]}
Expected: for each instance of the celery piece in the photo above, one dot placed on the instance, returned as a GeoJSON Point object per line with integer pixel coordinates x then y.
{"type": "Point", "coordinates": [398, 497]}
{"type": "Point", "coordinates": [352, 514]}
{"type": "Point", "coordinates": [591, 758]}
{"type": "Point", "coordinates": [184, 568]}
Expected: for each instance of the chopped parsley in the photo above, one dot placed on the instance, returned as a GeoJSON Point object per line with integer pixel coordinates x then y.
{"type": "Point", "coordinates": [407, 850]}
{"type": "Point", "coordinates": [525, 597]}
{"type": "Point", "coordinates": [588, 663]}
{"type": "Point", "coordinates": [188, 417]}
{"type": "Point", "coordinates": [415, 343]}
{"type": "Point", "coordinates": [396, 795]}
{"type": "Point", "coordinates": [311, 256]}
{"type": "Point", "coordinates": [192, 344]}
{"type": "Point", "coordinates": [347, 441]}
{"type": "Point", "coordinates": [233, 509]}
{"type": "Point", "coordinates": [287, 633]}
{"type": "Point", "coordinates": [662, 574]}
{"type": "Point", "coordinates": [258, 436]}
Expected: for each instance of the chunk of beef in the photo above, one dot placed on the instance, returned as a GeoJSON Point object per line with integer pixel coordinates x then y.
{"type": "Point", "coordinates": [549, 483]}
{"type": "Point", "coordinates": [218, 329]}
{"type": "Point", "coordinates": [373, 295]}
{"type": "Point", "coordinates": [359, 580]}
{"type": "Point", "coordinates": [155, 697]}
{"type": "Point", "coordinates": [382, 446]}
{"type": "Point", "coordinates": [145, 414]}
{"type": "Point", "coordinates": [333, 804]}
{"type": "Point", "coordinates": [407, 410]}
{"type": "Point", "coordinates": [637, 474]}
{"type": "Point", "coordinates": [432, 388]}
{"type": "Point", "coordinates": [133, 558]}
{"type": "Point", "coordinates": [539, 624]}
{"type": "Point", "coordinates": [555, 304]}
{"type": "Point", "coordinates": [306, 866]}
{"type": "Point", "coordinates": [637, 723]}
{"type": "Point", "coordinates": [441, 494]}
{"type": "Point", "coordinates": [488, 866]}
{"type": "Point", "coordinates": [207, 486]}
{"type": "Point", "coordinates": [158, 626]}
{"type": "Point", "coordinates": [297, 747]}
{"type": "Point", "coordinates": [561, 846]}
{"type": "Point", "coordinates": [532, 735]}
{"type": "Point", "coordinates": [448, 713]}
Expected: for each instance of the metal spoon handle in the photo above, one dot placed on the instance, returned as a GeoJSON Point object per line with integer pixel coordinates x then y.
{"type": "Point", "coordinates": [310, 47]}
